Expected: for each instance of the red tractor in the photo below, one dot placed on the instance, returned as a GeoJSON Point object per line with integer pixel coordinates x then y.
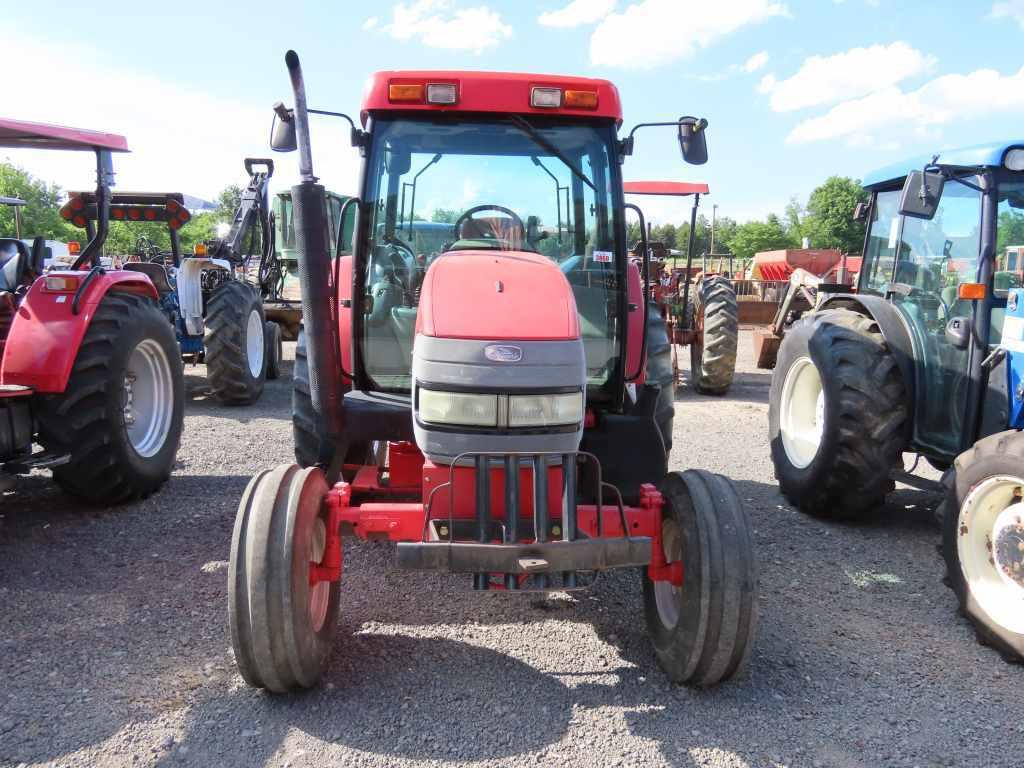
{"type": "Point", "coordinates": [484, 405]}
{"type": "Point", "coordinates": [89, 368]}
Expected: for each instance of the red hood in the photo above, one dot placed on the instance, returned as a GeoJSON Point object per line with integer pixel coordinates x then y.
{"type": "Point", "coordinates": [500, 295]}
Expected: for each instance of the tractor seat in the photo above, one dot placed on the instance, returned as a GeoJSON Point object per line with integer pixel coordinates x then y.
{"type": "Point", "coordinates": [156, 272]}
{"type": "Point", "coordinates": [14, 260]}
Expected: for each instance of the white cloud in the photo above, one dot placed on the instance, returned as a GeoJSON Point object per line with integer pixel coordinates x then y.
{"type": "Point", "coordinates": [199, 151]}
{"type": "Point", "coordinates": [577, 13]}
{"type": "Point", "coordinates": [371, 22]}
{"type": "Point", "coordinates": [1009, 9]}
{"type": "Point", "coordinates": [850, 74]}
{"type": "Point", "coordinates": [893, 113]}
{"type": "Point", "coordinates": [438, 24]}
{"type": "Point", "coordinates": [756, 62]}
{"type": "Point", "coordinates": [654, 32]}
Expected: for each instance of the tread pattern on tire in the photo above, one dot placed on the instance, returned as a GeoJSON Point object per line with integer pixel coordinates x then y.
{"type": "Point", "coordinates": [272, 333]}
{"type": "Point", "coordinates": [969, 468]}
{"type": "Point", "coordinates": [872, 418]}
{"type": "Point", "coordinates": [714, 639]}
{"type": "Point", "coordinates": [227, 364]}
{"type": "Point", "coordinates": [312, 446]}
{"type": "Point", "coordinates": [659, 371]}
{"type": "Point", "coordinates": [78, 420]}
{"type": "Point", "coordinates": [717, 300]}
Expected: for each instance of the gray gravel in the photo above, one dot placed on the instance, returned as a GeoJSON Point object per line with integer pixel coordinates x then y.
{"type": "Point", "coordinates": [114, 647]}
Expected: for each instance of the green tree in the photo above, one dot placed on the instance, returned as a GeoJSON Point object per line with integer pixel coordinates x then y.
{"type": "Point", "coordinates": [755, 236]}
{"type": "Point", "coordinates": [445, 215]}
{"type": "Point", "coordinates": [794, 218]}
{"type": "Point", "coordinates": [41, 214]}
{"type": "Point", "coordinates": [228, 201]}
{"type": "Point", "coordinates": [1010, 231]}
{"type": "Point", "coordinates": [829, 218]}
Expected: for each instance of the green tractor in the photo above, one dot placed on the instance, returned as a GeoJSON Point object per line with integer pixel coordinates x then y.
{"type": "Point", "coordinates": [925, 356]}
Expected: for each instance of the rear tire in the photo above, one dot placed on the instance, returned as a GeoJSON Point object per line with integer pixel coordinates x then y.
{"type": "Point", "coordinates": [713, 361]}
{"type": "Point", "coordinates": [983, 540]}
{"type": "Point", "coordinates": [128, 366]}
{"type": "Point", "coordinates": [275, 348]}
{"type": "Point", "coordinates": [282, 628]}
{"type": "Point", "coordinates": [659, 371]}
{"type": "Point", "coordinates": [236, 360]}
{"type": "Point", "coordinates": [703, 631]}
{"type": "Point", "coordinates": [837, 415]}
{"type": "Point", "coordinates": [312, 445]}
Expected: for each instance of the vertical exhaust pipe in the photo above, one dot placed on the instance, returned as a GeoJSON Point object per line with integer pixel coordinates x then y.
{"type": "Point", "coordinates": [313, 251]}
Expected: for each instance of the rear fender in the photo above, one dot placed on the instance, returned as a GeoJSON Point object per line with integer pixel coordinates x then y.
{"type": "Point", "coordinates": [189, 286]}
{"type": "Point", "coordinates": [894, 328]}
{"type": "Point", "coordinates": [46, 334]}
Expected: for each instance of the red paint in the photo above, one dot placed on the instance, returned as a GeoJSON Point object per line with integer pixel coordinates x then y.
{"type": "Point", "coordinates": [329, 568]}
{"type": "Point", "coordinates": [21, 133]}
{"type": "Point", "coordinates": [497, 295]}
{"type": "Point", "coordinates": [405, 465]}
{"type": "Point", "coordinates": [779, 265]}
{"type": "Point", "coordinates": [635, 322]}
{"type": "Point", "coordinates": [494, 92]}
{"type": "Point", "coordinates": [45, 335]}
{"type": "Point", "coordinates": [460, 498]}
{"type": "Point", "coordinates": [675, 188]}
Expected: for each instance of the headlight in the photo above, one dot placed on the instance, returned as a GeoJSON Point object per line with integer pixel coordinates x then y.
{"type": "Point", "coordinates": [1014, 160]}
{"type": "Point", "coordinates": [545, 410]}
{"type": "Point", "coordinates": [458, 408]}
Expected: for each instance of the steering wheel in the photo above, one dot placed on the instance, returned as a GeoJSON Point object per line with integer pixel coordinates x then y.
{"type": "Point", "coordinates": [518, 227]}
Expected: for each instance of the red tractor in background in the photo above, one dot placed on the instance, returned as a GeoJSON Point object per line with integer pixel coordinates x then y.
{"type": "Point", "coordinates": [699, 310]}
{"type": "Point", "coordinates": [89, 368]}
{"type": "Point", "coordinates": [485, 405]}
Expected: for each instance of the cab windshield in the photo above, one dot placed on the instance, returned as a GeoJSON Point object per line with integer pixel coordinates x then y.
{"type": "Point", "coordinates": [438, 186]}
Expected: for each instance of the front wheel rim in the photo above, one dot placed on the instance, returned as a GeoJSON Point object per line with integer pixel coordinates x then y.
{"type": "Point", "coordinates": [320, 592]}
{"type": "Point", "coordinates": [802, 413]}
{"type": "Point", "coordinates": [148, 398]}
{"type": "Point", "coordinates": [667, 596]}
{"type": "Point", "coordinates": [990, 547]}
{"type": "Point", "coordinates": [254, 343]}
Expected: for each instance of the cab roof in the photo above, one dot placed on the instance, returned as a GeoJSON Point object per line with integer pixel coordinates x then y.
{"type": "Point", "coordinates": [21, 133]}
{"type": "Point", "coordinates": [977, 156]}
{"type": "Point", "coordinates": [502, 92]}
{"type": "Point", "coordinates": [674, 188]}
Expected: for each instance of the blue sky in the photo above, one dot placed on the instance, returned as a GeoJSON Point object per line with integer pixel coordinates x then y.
{"type": "Point", "coordinates": [794, 90]}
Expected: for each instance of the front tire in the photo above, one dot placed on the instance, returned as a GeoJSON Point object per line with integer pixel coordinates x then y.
{"type": "Point", "coordinates": [703, 630]}
{"type": "Point", "coordinates": [983, 540]}
{"type": "Point", "coordinates": [713, 352]}
{"type": "Point", "coordinates": [236, 360]}
{"type": "Point", "coordinates": [282, 627]}
{"type": "Point", "coordinates": [837, 415]}
{"type": "Point", "coordinates": [120, 416]}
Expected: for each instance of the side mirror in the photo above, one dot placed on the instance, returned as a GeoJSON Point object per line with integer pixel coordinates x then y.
{"type": "Point", "coordinates": [282, 130]}
{"type": "Point", "coordinates": [958, 332]}
{"type": "Point", "coordinates": [692, 141]}
{"type": "Point", "coordinates": [921, 194]}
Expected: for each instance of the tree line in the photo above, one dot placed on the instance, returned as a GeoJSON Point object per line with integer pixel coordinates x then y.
{"type": "Point", "coordinates": [826, 221]}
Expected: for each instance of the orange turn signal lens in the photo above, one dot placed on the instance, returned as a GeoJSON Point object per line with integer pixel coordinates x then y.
{"type": "Point", "coordinates": [74, 248]}
{"type": "Point", "coordinates": [971, 291]}
{"type": "Point", "coordinates": [61, 284]}
{"type": "Point", "coordinates": [199, 249]}
{"type": "Point", "coordinates": [405, 92]}
{"type": "Point", "coordinates": [117, 213]}
{"type": "Point", "coordinates": [580, 99]}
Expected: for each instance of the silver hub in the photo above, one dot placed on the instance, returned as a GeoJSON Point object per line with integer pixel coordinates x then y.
{"type": "Point", "coordinates": [802, 413]}
{"type": "Point", "coordinates": [990, 545]}
{"type": "Point", "coordinates": [319, 593]}
{"type": "Point", "coordinates": [667, 595]}
{"type": "Point", "coordinates": [147, 402]}
{"type": "Point", "coordinates": [254, 344]}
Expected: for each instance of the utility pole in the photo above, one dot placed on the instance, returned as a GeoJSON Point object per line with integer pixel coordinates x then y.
{"type": "Point", "coordinates": [714, 216]}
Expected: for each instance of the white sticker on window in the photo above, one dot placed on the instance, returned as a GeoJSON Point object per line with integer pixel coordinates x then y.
{"type": "Point", "coordinates": [604, 257]}
{"type": "Point", "coordinates": [894, 231]}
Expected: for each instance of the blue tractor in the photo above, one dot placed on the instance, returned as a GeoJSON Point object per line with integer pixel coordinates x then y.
{"type": "Point", "coordinates": [925, 356]}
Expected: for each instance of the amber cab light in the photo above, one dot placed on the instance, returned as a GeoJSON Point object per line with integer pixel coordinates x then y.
{"type": "Point", "coordinates": [971, 291]}
{"type": "Point", "coordinates": [199, 249]}
{"type": "Point", "coordinates": [581, 99]}
{"type": "Point", "coordinates": [405, 92]}
{"type": "Point", "coordinates": [61, 284]}
{"type": "Point", "coordinates": [74, 248]}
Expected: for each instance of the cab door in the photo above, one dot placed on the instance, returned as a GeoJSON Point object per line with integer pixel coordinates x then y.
{"type": "Point", "coordinates": [933, 257]}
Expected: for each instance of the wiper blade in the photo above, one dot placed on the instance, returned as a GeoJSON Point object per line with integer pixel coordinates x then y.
{"type": "Point", "coordinates": [540, 141]}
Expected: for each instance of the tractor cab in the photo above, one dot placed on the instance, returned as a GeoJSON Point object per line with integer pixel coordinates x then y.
{"type": "Point", "coordinates": [942, 249]}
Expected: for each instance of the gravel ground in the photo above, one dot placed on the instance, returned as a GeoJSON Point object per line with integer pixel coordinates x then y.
{"type": "Point", "coordinates": [114, 647]}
